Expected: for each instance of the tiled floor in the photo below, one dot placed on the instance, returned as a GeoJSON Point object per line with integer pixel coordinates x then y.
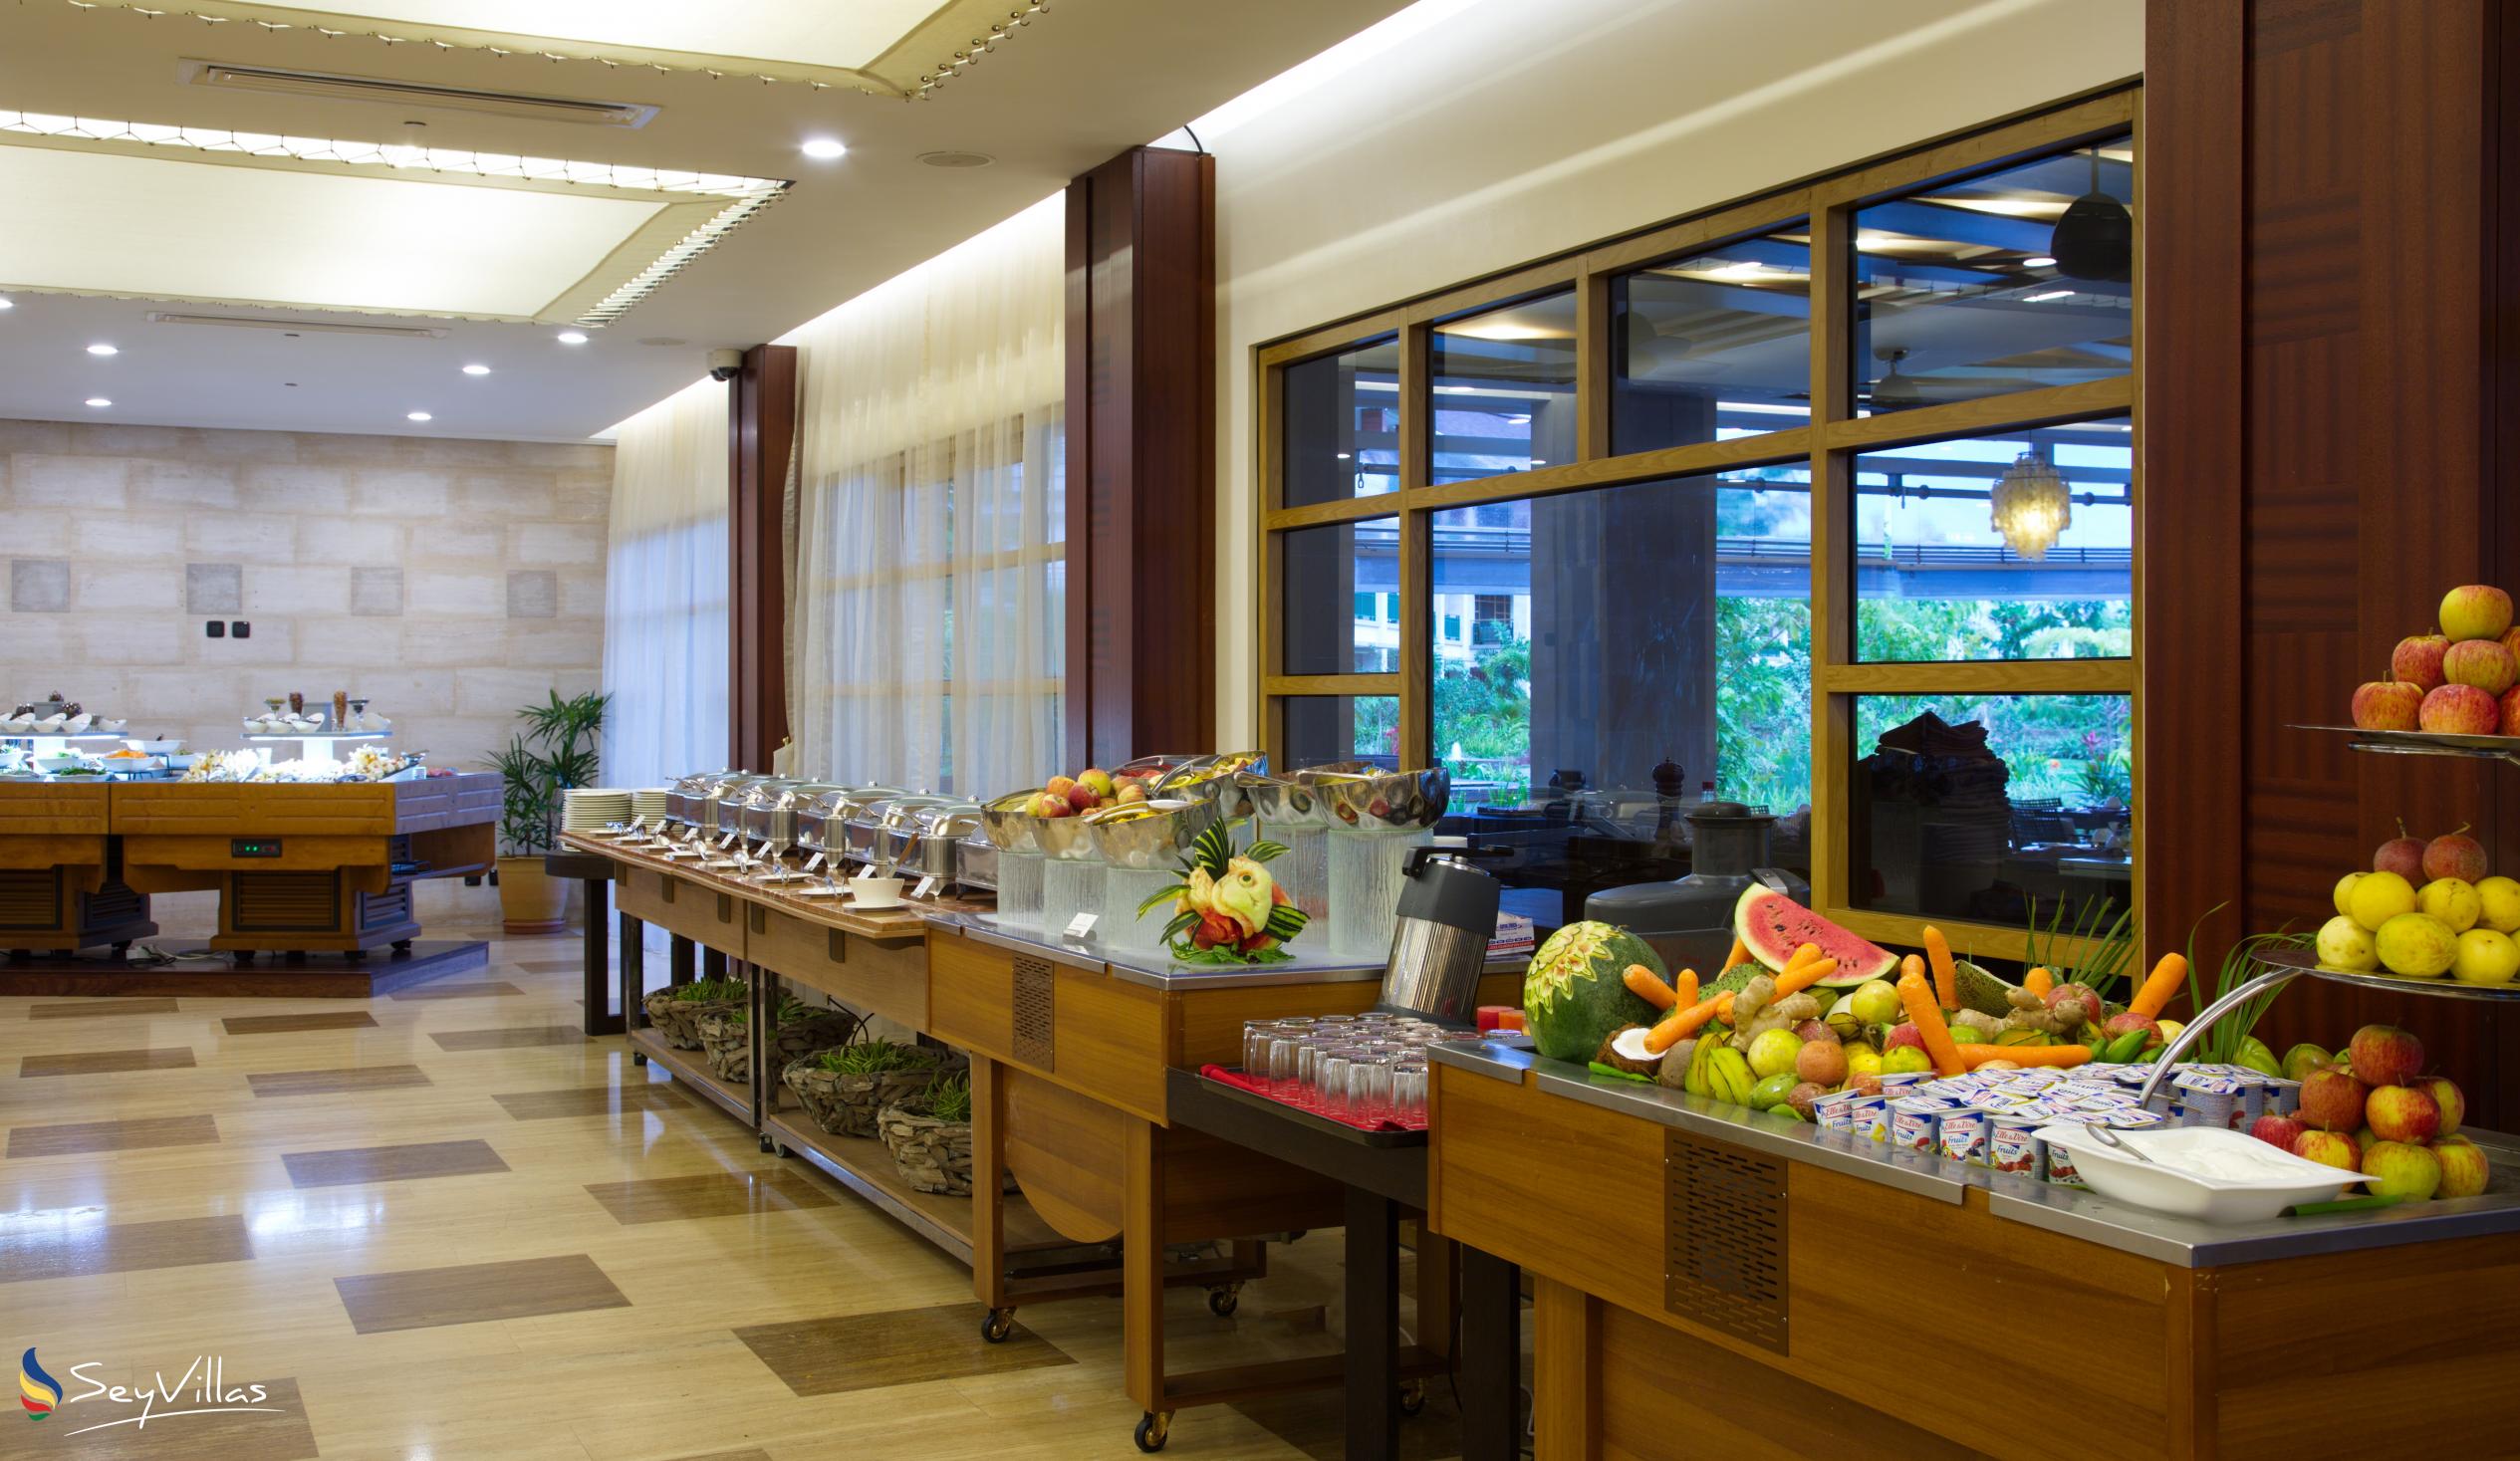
{"type": "Point", "coordinates": [452, 1227]}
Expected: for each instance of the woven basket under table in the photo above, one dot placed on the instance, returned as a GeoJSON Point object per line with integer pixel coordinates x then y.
{"type": "Point", "coordinates": [845, 1105]}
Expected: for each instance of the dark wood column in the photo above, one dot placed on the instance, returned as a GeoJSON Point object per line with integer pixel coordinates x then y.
{"type": "Point", "coordinates": [760, 435]}
{"type": "Point", "coordinates": [2329, 308]}
{"type": "Point", "coordinates": [1142, 457]}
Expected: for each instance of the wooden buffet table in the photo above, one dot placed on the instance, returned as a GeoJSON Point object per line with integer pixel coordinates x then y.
{"type": "Point", "coordinates": [60, 872]}
{"type": "Point", "coordinates": [1071, 1049]}
{"type": "Point", "coordinates": [1713, 1280]}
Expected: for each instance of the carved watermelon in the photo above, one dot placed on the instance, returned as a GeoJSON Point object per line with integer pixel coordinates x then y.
{"type": "Point", "coordinates": [1770, 926]}
{"type": "Point", "coordinates": [1575, 994]}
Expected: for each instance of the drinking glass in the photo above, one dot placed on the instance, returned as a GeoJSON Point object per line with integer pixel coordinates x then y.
{"type": "Point", "coordinates": [1330, 1086]}
{"type": "Point", "coordinates": [1408, 1093]}
{"type": "Point", "coordinates": [1285, 1047]}
{"type": "Point", "coordinates": [1369, 1085]}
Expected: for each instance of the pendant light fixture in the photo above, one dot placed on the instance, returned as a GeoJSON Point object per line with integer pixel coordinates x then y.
{"type": "Point", "coordinates": [2031, 506]}
{"type": "Point", "coordinates": [2095, 237]}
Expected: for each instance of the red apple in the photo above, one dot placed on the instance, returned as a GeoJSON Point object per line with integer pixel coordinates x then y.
{"type": "Point", "coordinates": [2282, 1132]}
{"type": "Point", "coordinates": [2475, 611]}
{"type": "Point", "coordinates": [2386, 705]}
{"type": "Point", "coordinates": [2455, 855]}
{"type": "Point", "coordinates": [2483, 664]}
{"type": "Point", "coordinates": [2117, 1025]}
{"type": "Point", "coordinates": [2402, 1170]}
{"type": "Point", "coordinates": [2332, 1101]}
{"type": "Point", "coordinates": [2403, 1113]}
{"type": "Point", "coordinates": [1082, 798]}
{"type": "Point", "coordinates": [2464, 1171]}
{"type": "Point", "coordinates": [2332, 1147]}
{"type": "Point", "coordinates": [2418, 659]}
{"type": "Point", "coordinates": [2402, 855]}
{"type": "Point", "coordinates": [2451, 1100]}
{"type": "Point", "coordinates": [2383, 1054]}
{"type": "Point", "coordinates": [1060, 786]}
{"type": "Point", "coordinates": [2511, 641]}
{"type": "Point", "coordinates": [1905, 1033]}
{"type": "Point", "coordinates": [2510, 711]}
{"type": "Point", "coordinates": [2459, 710]}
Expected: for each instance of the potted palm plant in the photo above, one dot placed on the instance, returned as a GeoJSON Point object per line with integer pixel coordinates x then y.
{"type": "Point", "coordinates": [556, 750]}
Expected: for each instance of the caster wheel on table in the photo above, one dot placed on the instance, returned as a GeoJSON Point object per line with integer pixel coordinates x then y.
{"type": "Point", "coordinates": [639, 1057]}
{"type": "Point", "coordinates": [1412, 1397]}
{"type": "Point", "coordinates": [295, 957]}
{"type": "Point", "coordinates": [996, 1324]}
{"type": "Point", "coordinates": [1223, 1302]}
{"type": "Point", "coordinates": [123, 952]}
{"type": "Point", "coordinates": [768, 1147]}
{"type": "Point", "coordinates": [1154, 1430]}
{"type": "Point", "coordinates": [403, 945]}
{"type": "Point", "coordinates": [243, 956]}
{"type": "Point", "coordinates": [356, 956]}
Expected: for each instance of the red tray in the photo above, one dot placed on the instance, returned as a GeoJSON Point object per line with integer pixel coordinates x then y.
{"type": "Point", "coordinates": [1240, 1082]}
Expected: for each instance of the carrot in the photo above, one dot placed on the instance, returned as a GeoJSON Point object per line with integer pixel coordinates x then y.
{"type": "Point", "coordinates": [1684, 987]}
{"type": "Point", "coordinates": [1649, 986]}
{"type": "Point", "coordinates": [1912, 964]}
{"type": "Point", "coordinates": [1740, 951]}
{"type": "Point", "coordinates": [1947, 978]}
{"type": "Point", "coordinates": [1918, 998]}
{"type": "Point", "coordinates": [2039, 981]}
{"type": "Point", "coordinates": [2163, 982]}
{"type": "Point", "coordinates": [2026, 1055]}
{"type": "Point", "coordinates": [1803, 976]}
{"type": "Point", "coordinates": [1808, 954]}
{"type": "Point", "coordinates": [1680, 1023]}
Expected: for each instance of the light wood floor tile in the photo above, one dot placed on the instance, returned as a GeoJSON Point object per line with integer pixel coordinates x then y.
{"type": "Point", "coordinates": [867, 1352]}
{"type": "Point", "coordinates": [329, 1083]}
{"type": "Point", "coordinates": [91, 1008]}
{"type": "Point", "coordinates": [53, 1245]}
{"type": "Point", "coordinates": [142, 1131]}
{"type": "Point", "coordinates": [106, 1061]}
{"type": "Point", "coordinates": [591, 1100]}
{"type": "Point", "coordinates": [355, 1164]}
{"type": "Point", "coordinates": [707, 1195]}
{"type": "Point", "coordinates": [508, 1037]}
{"type": "Point", "coordinates": [476, 989]}
{"type": "Point", "coordinates": [254, 1434]}
{"type": "Point", "coordinates": [474, 1292]}
{"type": "Point", "coordinates": [291, 1024]}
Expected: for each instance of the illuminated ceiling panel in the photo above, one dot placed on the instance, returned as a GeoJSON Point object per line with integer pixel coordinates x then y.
{"type": "Point", "coordinates": [137, 211]}
{"type": "Point", "coordinates": [905, 46]}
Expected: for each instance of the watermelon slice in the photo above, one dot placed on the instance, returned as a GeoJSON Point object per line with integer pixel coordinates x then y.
{"type": "Point", "coordinates": [1770, 926]}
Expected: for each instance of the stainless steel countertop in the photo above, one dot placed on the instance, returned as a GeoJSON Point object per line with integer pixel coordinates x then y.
{"type": "Point", "coordinates": [2072, 1211]}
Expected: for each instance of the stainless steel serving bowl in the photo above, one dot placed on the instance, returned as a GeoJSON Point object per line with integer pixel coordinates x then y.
{"type": "Point", "coordinates": [1207, 775]}
{"type": "Point", "coordinates": [1006, 823]}
{"type": "Point", "coordinates": [1150, 835]}
{"type": "Point", "coordinates": [1282, 803]}
{"type": "Point", "coordinates": [1357, 796]}
{"type": "Point", "coordinates": [1063, 837]}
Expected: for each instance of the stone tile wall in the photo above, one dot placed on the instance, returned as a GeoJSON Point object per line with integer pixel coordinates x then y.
{"type": "Point", "coordinates": [450, 581]}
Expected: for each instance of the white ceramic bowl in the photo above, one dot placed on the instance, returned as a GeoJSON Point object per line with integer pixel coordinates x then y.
{"type": "Point", "coordinates": [876, 892]}
{"type": "Point", "coordinates": [2275, 1179]}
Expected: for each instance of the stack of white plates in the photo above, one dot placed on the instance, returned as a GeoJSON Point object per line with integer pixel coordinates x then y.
{"type": "Point", "coordinates": [649, 803]}
{"type": "Point", "coordinates": [592, 809]}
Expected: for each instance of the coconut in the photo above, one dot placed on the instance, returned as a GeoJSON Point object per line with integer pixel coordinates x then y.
{"type": "Point", "coordinates": [1624, 1050]}
{"type": "Point", "coordinates": [1674, 1069]}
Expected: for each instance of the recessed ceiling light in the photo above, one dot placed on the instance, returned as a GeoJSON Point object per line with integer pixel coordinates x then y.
{"type": "Point", "coordinates": [572, 337]}
{"type": "Point", "coordinates": [8, 304]}
{"type": "Point", "coordinates": [102, 349]}
{"type": "Point", "coordinates": [823, 147]}
{"type": "Point", "coordinates": [1342, 456]}
{"type": "Point", "coordinates": [2039, 261]}
{"type": "Point", "coordinates": [476, 370]}
{"type": "Point", "coordinates": [418, 416]}
{"type": "Point", "coordinates": [2044, 296]}
{"type": "Point", "coordinates": [99, 401]}
{"type": "Point", "coordinates": [956, 158]}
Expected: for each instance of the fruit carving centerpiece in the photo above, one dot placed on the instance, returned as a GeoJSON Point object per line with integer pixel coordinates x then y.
{"type": "Point", "coordinates": [2463, 678]}
{"type": "Point", "coordinates": [1227, 909]}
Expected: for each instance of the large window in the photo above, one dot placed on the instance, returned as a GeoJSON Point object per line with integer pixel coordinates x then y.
{"type": "Point", "coordinates": [1825, 504]}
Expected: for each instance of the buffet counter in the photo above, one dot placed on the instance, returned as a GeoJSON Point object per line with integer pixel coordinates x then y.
{"type": "Point", "coordinates": [1703, 1269]}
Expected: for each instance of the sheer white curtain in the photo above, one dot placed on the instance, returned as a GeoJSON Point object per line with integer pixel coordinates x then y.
{"type": "Point", "coordinates": [928, 602]}
{"type": "Point", "coordinates": [664, 592]}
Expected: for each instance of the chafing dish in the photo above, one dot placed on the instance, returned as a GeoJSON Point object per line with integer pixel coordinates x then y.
{"type": "Point", "coordinates": [755, 812]}
{"type": "Point", "coordinates": [822, 821]}
{"type": "Point", "coordinates": [726, 806]}
{"type": "Point", "coordinates": [1151, 835]}
{"type": "Point", "coordinates": [687, 797]}
{"type": "Point", "coordinates": [918, 841]}
{"type": "Point", "coordinates": [866, 825]}
{"type": "Point", "coordinates": [1357, 796]}
{"type": "Point", "coordinates": [975, 862]}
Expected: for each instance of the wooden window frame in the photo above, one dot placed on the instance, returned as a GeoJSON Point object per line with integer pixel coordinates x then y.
{"type": "Point", "coordinates": [1828, 444]}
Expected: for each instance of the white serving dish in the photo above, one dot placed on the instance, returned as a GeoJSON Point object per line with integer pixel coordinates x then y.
{"type": "Point", "coordinates": [875, 892]}
{"type": "Point", "coordinates": [2287, 1179]}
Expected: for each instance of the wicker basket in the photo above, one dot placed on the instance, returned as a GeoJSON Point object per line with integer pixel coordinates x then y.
{"type": "Point", "coordinates": [933, 1156]}
{"type": "Point", "coordinates": [679, 1020]}
{"type": "Point", "coordinates": [845, 1105]}
{"type": "Point", "coordinates": [726, 1040]}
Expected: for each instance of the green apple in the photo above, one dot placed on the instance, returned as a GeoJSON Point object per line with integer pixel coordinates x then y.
{"type": "Point", "coordinates": [2402, 1170]}
{"type": "Point", "coordinates": [1876, 1002]}
{"type": "Point", "coordinates": [2303, 1059]}
{"type": "Point", "coordinates": [1773, 1053]}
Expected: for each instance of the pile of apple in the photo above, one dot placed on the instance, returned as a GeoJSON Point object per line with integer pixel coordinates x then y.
{"type": "Point", "coordinates": [2426, 908]}
{"type": "Point", "coordinates": [1088, 790]}
{"type": "Point", "coordinates": [2374, 1112]}
{"type": "Point", "coordinates": [2457, 680]}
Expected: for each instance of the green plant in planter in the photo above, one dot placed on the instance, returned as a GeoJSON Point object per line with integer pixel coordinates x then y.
{"type": "Point", "coordinates": [557, 750]}
{"type": "Point", "coordinates": [948, 1098]}
{"type": "Point", "coordinates": [706, 990]}
{"type": "Point", "coordinates": [873, 1057]}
